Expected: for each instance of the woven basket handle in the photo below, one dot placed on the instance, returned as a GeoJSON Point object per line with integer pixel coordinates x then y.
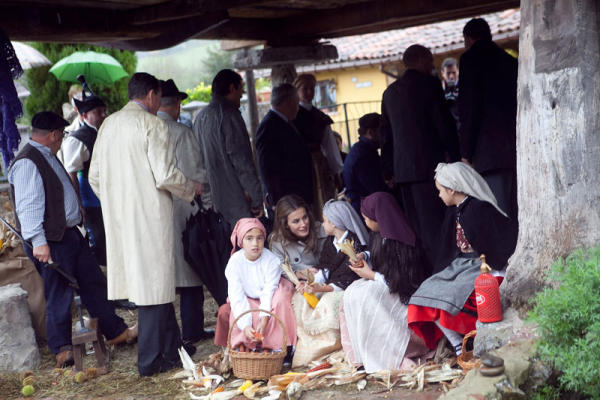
{"type": "Point", "coordinates": [467, 336]}
{"type": "Point", "coordinates": [284, 349]}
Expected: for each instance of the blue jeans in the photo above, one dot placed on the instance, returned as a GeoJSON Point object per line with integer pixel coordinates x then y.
{"type": "Point", "coordinates": [74, 256]}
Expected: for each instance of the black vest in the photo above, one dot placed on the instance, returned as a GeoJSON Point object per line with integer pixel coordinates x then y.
{"type": "Point", "coordinates": [87, 136]}
{"type": "Point", "coordinates": [55, 221]}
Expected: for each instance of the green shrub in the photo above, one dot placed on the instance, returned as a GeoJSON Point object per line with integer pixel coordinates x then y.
{"type": "Point", "coordinates": [200, 93]}
{"type": "Point", "coordinates": [569, 321]}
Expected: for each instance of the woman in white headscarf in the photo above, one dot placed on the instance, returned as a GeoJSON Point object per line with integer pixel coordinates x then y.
{"type": "Point", "coordinates": [319, 328]}
{"type": "Point", "coordinates": [474, 225]}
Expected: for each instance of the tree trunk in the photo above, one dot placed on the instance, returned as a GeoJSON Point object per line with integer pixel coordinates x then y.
{"type": "Point", "coordinates": [558, 139]}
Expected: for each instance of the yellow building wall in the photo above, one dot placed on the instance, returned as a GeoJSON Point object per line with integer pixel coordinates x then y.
{"type": "Point", "coordinates": [361, 90]}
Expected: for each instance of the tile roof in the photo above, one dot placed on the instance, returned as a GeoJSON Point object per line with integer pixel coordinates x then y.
{"type": "Point", "coordinates": [439, 37]}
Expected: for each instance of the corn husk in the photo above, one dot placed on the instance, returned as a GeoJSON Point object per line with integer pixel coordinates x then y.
{"type": "Point", "coordinates": [289, 272]}
{"type": "Point", "coordinates": [347, 247]}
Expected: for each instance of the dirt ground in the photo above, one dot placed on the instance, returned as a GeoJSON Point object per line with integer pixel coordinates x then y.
{"type": "Point", "coordinates": [123, 381]}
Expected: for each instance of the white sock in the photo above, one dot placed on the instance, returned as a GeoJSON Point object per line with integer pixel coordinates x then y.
{"type": "Point", "coordinates": [454, 338]}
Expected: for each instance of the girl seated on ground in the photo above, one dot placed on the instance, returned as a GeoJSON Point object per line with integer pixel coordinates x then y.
{"type": "Point", "coordinates": [445, 304]}
{"type": "Point", "coordinates": [375, 333]}
{"type": "Point", "coordinates": [254, 282]}
{"type": "Point", "coordinates": [296, 236]}
{"type": "Point", "coordinates": [318, 328]}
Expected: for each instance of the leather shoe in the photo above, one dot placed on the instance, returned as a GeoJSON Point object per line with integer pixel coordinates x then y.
{"type": "Point", "coordinates": [207, 334]}
{"type": "Point", "coordinates": [128, 336]}
{"type": "Point", "coordinates": [64, 359]}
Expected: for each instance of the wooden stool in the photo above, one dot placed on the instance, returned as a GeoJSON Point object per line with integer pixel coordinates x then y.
{"type": "Point", "coordinates": [79, 340]}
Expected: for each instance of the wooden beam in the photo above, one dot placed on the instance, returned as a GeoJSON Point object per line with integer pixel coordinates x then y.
{"type": "Point", "coordinates": [179, 9]}
{"type": "Point", "coordinates": [256, 59]}
{"type": "Point", "coordinates": [349, 19]}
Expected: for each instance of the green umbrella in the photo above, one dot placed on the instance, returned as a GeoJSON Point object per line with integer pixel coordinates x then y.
{"type": "Point", "coordinates": [96, 67]}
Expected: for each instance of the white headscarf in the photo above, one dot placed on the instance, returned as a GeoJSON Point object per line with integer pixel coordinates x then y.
{"type": "Point", "coordinates": [463, 178]}
{"type": "Point", "coordinates": [343, 215]}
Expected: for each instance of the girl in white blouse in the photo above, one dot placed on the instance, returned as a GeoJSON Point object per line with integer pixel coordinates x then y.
{"type": "Point", "coordinates": [254, 282]}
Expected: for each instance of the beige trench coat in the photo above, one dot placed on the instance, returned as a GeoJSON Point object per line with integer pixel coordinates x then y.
{"type": "Point", "coordinates": [133, 173]}
{"type": "Point", "coordinates": [189, 160]}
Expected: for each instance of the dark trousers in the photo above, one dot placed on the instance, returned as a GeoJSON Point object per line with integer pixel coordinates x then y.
{"type": "Point", "coordinates": [158, 339]}
{"type": "Point", "coordinates": [425, 212]}
{"type": "Point", "coordinates": [94, 225]}
{"type": "Point", "coordinates": [74, 256]}
{"type": "Point", "coordinates": [191, 308]}
{"type": "Point", "coordinates": [503, 183]}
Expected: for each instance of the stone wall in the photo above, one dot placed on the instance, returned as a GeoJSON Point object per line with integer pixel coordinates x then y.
{"type": "Point", "coordinates": [558, 138]}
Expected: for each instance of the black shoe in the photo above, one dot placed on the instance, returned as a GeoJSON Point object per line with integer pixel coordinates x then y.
{"type": "Point", "coordinates": [207, 334]}
{"type": "Point", "coordinates": [124, 304]}
{"type": "Point", "coordinates": [189, 347]}
{"type": "Point", "coordinates": [287, 361]}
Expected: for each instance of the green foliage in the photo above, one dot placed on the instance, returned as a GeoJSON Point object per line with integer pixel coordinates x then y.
{"type": "Point", "coordinates": [188, 64]}
{"type": "Point", "coordinates": [569, 321]}
{"type": "Point", "coordinates": [546, 393]}
{"type": "Point", "coordinates": [48, 93]}
{"type": "Point", "coordinates": [200, 93]}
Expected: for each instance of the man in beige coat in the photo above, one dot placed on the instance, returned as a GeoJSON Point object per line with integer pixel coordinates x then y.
{"type": "Point", "coordinates": [133, 173]}
{"type": "Point", "coordinates": [190, 160]}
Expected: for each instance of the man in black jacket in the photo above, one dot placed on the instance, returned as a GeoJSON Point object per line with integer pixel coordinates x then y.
{"type": "Point", "coordinates": [487, 108]}
{"type": "Point", "coordinates": [283, 157]}
{"type": "Point", "coordinates": [418, 132]}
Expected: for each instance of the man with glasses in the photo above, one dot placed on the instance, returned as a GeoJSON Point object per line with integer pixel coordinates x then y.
{"type": "Point", "coordinates": [47, 210]}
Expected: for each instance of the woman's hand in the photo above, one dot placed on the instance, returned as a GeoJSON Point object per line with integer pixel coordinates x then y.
{"type": "Point", "coordinates": [249, 333]}
{"type": "Point", "coordinates": [301, 288]}
{"type": "Point", "coordinates": [365, 271]}
{"type": "Point", "coordinates": [359, 262]}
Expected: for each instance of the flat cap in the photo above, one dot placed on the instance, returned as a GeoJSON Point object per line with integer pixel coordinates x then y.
{"type": "Point", "coordinates": [48, 121]}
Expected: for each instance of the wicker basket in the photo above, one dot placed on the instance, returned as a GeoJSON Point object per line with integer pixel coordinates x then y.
{"type": "Point", "coordinates": [465, 359]}
{"type": "Point", "coordinates": [256, 366]}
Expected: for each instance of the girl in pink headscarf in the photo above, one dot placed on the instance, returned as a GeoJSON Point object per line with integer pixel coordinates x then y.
{"type": "Point", "coordinates": [254, 282]}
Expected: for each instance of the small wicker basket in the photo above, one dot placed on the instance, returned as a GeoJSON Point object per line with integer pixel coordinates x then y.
{"type": "Point", "coordinates": [256, 366]}
{"type": "Point", "coordinates": [465, 359]}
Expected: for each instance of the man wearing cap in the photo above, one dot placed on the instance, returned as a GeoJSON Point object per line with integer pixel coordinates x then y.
{"type": "Point", "coordinates": [189, 160]}
{"type": "Point", "coordinates": [77, 151]}
{"type": "Point", "coordinates": [47, 211]}
{"type": "Point", "coordinates": [134, 175]}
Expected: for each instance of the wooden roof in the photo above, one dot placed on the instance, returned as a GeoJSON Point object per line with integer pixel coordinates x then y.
{"type": "Point", "coordinates": [155, 24]}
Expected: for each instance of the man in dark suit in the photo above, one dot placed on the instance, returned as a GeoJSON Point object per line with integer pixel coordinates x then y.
{"type": "Point", "coordinates": [418, 132]}
{"type": "Point", "coordinates": [283, 158]}
{"type": "Point", "coordinates": [487, 107]}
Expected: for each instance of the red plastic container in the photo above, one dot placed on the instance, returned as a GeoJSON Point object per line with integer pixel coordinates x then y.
{"type": "Point", "coordinates": [487, 293]}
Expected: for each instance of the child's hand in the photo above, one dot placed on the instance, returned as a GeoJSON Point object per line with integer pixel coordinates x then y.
{"type": "Point", "coordinates": [359, 262]}
{"type": "Point", "coordinates": [249, 333]}
{"type": "Point", "coordinates": [262, 324]}
{"type": "Point", "coordinates": [364, 272]}
{"type": "Point", "coordinates": [310, 289]}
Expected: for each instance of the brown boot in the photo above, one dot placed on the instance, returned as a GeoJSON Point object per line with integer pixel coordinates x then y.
{"type": "Point", "coordinates": [64, 359]}
{"type": "Point", "coordinates": [128, 336]}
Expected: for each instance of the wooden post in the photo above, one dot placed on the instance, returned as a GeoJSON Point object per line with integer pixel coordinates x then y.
{"type": "Point", "coordinates": [252, 105]}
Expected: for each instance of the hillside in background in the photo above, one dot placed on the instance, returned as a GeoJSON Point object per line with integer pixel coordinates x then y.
{"type": "Point", "coordinates": [188, 63]}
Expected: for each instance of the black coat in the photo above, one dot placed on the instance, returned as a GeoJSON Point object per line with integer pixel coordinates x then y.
{"type": "Point", "coordinates": [362, 172]}
{"type": "Point", "coordinates": [311, 125]}
{"type": "Point", "coordinates": [418, 130]}
{"type": "Point", "coordinates": [487, 107]}
{"type": "Point", "coordinates": [283, 159]}
{"type": "Point", "coordinates": [488, 232]}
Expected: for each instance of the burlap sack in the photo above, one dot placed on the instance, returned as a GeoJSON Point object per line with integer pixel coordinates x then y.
{"type": "Point", "coordinates": [15, 267]}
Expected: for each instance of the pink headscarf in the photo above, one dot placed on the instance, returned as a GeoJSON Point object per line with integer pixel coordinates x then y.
{"type": "Point", "coordinates": [241, 228]}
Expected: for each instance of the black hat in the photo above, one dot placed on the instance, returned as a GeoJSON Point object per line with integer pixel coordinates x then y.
{"type": "Point", "coordinates": [48, 121]}
{"type": "Point", "coordinates": [169, 89]}
{"type": "Point", "coordinates": [88, 104]}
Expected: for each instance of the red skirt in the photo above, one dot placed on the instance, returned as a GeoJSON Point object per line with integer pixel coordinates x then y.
{"type": "Point", "coordinates": [422, 319]}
